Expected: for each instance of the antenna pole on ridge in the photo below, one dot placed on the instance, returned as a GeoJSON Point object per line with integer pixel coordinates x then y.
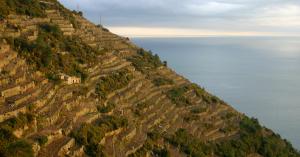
{"type": "Point", "coordinates": [77, 7]}
{"type": "Point", "coordinates": [101, 27]}
{"type": "Point", "coordinates": [100, 21]}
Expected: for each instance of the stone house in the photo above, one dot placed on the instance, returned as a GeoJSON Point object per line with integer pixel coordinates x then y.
{"type": "Point", "coordinates": [70, 79]}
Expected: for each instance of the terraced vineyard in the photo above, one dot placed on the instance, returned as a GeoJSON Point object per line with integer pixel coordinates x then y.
{"type": "Point", "coordinates": [128, 103]}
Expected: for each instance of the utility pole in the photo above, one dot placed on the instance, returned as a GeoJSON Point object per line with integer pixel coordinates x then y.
{"type": "Point", "coordinates": [77, 6]}
{"type": "Point", "coordinates": [100, 21]}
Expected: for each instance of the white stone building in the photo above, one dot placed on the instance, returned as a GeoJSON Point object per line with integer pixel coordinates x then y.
{"type": "Point", "coordinates": [70, 79]}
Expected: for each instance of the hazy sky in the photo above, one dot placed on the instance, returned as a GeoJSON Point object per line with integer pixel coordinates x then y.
{"type": "Point", "coordinates": [193, 17]}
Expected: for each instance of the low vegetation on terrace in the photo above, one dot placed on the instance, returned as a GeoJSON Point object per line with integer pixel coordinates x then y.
{"type": "Point", "coordinates": [53, 53]}
{"type": "Point", "coordinates": [90, 135]}
{"type": "Point", "coordinates": [112, 82]}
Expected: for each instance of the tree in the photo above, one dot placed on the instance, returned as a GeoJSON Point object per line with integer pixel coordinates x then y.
{"type": "Point", "coordinates": [165, 63]}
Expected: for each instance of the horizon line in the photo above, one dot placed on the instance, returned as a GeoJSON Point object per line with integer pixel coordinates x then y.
{"type": "Point", "coordinates": [165, 32]}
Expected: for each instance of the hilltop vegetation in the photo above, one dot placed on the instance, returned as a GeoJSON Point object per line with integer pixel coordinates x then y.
{"type": "Point", "coordinates": [24, 7]}
{"type": "Point", "coordinates": [53, 53]}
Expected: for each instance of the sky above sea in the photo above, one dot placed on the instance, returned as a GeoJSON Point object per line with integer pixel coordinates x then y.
{"type": "Point", "coordinates": [182, 18]}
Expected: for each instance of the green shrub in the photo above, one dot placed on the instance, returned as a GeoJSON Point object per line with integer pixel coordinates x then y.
{"type": "Point", "coordinates": [106, 109]}
{"type": "Point", "coordinates": [198, 110]}
{"type": "Point", "coordinates": [161, 152]}
{"type": "Point", "coordinates": [177, 96]}
{"type": "Point", "coordinates": [67, 14]}
{"type": "Point", "coordinates": [151, 146]}
{"type": "Point", "coordinates": [6, 137]}
{"type": "Point", "coordinates": [145, 61]}
{"type": "Point", "coordinates": [11, 146]}
{"type": "Point", "coordinates": [42, 140]}
{"type": "Point", "coordinates": [52, 29]}
{"type": "Point", "coordinates": [189, 145]}
{"type": "Point", "coordinates": [116, 80]}
{"type": "Point", "coordinates": [162, 81]}
{"type": "Point", "coordinates": [105, 29]}
{"type": "Point", "coordinates": [191, 117]}
{"type": "Point", "coordinates": [139, 107]}
{"type": "Point", "coordinates": [90, 135]}
{"type": "Point", "coordinates": [20, 148]}
{"type": "Point", "coordinates": [18, 122]}
{"type": "Point", "coordinates": [208, 98]}
{"type": "Point", "coordinates": [154, 135]}
{"type": "Point", "coordinates": [112, 122]}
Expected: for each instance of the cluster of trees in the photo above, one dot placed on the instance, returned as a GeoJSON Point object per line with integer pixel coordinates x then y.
{"type": "Point", "coordinates": [160, 81]}
{"type": "Point", "coordinates": [116, 80]}
{"type": "Point", "coordinates": [253, 138]}
{"type": "Point", "coordinates": [198, 110]}
{"type": "Point", "coordinates": [90, 135]}
{"type": "Point", "coordinates": [44, 53]}
{"type": "Point", "coordinates": [23, 7]}
{"type": "Point", "coordinates": [10, 145]}
{"type": "Point", "coordinates": [145, 61]}
{"type": "Point", "coordinates": [80, 13]}
{"type": "Point", "coordinates": [177, 96]}
{"type": "Point", "coordinates": [17, 122]}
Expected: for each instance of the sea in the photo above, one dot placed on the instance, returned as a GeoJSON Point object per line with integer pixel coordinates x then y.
{"type": "Point", "coordinates": [258, 76]}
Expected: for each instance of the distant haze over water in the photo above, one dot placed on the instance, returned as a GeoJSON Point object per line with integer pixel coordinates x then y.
{"type": "Point", "coordinates": [258, 76]}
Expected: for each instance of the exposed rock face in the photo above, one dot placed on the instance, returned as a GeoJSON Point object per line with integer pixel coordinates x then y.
{"type": "Point", "coordinates": [149, 99]}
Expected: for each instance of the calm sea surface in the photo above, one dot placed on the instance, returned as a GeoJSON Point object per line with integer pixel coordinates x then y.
{"type": "Point", "coordinates": [259, 76]}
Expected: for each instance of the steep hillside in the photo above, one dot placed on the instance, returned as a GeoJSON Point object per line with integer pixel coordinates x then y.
{"type": "Point", "coordinates": [71, 88]}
